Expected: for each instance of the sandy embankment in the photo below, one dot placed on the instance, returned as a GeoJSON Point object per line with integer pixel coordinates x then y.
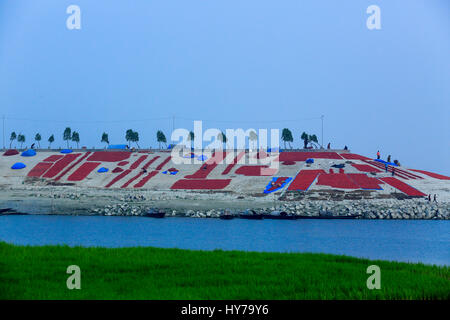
{"type": "Point", "coordinates": [64, 192]}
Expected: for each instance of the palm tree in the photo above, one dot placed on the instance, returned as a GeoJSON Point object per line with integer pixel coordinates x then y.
{"type": "Point", "coordinates": [38, 138]}
{"type": "Point", "coordinates": [76, 137]}
{"type": "Point", "coordinates": [105, 138]}
{"type": "Point", "coordinates": [21, 139]}
{"type": "Point", "coordinates": [253, 137]}
{"type": "Point", "coordinates": [286, 136]}
{"type": "Point", "coordinates": [308, 139]}
{"type": "Point", "coordinates": [50, 141]}
{"type": "Point", "coordinates": [67, 135]}
{"type": "Point", "coordinates": [161, 138]}
{"type": "Point", "coordinates": [12, 138]}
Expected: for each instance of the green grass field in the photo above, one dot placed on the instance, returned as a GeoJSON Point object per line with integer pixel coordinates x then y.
{"type": "Point", "coordinates": [28, 272]}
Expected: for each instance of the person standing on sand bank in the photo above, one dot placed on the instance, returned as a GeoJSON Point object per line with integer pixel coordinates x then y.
{"type": "Point", "coordinates": [435, 198]}
{"type": "Point", "coordinates": [393, 171]}
{"type": "Point", "coordinates": [378, 154]}
{"type": "Point", "coordinates": [429, 197]}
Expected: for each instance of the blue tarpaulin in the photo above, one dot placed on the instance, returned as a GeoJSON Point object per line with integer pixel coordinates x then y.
{"type": "Point", "coordinates": [101, 170]}
{"type": "Point", "coordinates": [309, 160]}
{"type": "Point", "coordinates": [28, 153]}
{"type": "Point", "coordinates": [117, 146]}
{"type": "Point", "coordinates": [66, 151]}
{"type": "Point", "coordinates": [170, 172]}
{"type": "Point", "coordinates": [191, 155]}
{"type": "Point", "coordinates": [385, 162]}
{"type": "Point", "coordinates": [269, 186]}
{"type": "Point", "coordinates": [18, 165]}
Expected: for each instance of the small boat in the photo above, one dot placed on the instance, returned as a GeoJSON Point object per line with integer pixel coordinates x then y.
{"type": "Point", "coordinates": [226, 215]}
{"type": "Point", "coordinates": [11, 212]}
{"type": "Point", "coordinates": [250, 214]}
{"type": "Point", "coordinates": [353, 216]}
{"type": "Point", "coordinates": [279, 215]}
{"type": "Point", "coordinates": [155, 213]}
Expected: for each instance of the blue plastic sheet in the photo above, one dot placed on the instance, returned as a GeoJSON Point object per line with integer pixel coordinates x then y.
{"type": "Point", "coordinates": [385, 162]}
{"type": "Point", "coordinates": [266, 190]}
{"type": "Point", "coordinates": [28, 153]}
{"type": "Point", "coordinates": [170, 172]}
{"type": "Point", "coordinates": [117, 146]}
{"type": "Point", "coordinates": [18, 165]}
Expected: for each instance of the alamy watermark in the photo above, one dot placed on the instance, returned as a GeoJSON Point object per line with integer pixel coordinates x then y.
{"type": "Point", "coordinates": [374, 280]}
{"type": "Point", "coordinates": [373, 22]}
{"type": "Point", "coordinates": [74, 19]}
{"type": "Point", "coordinates": [74, 280]}
{"type": "Point", "coordinates": [232, 142]}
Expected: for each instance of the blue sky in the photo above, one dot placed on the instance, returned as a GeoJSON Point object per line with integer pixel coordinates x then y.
{"type": "Point", "coordinates": [232, 64]}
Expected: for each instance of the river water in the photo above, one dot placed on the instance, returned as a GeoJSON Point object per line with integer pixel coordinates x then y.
{"type": "Point", "coordinates": [399, 240]}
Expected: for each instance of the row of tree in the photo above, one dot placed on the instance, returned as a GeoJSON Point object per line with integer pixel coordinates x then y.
{"type": "Point", "coordinates": [68, 135]}
{"type": "Point", "coordinates": [286, 136]}
{"type": "Point", "coordinates": [133, 137]}
{"type": "Point", "coordinates": [22, 139]}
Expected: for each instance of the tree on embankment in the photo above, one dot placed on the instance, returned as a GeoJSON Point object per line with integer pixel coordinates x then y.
{"type": "Point", "coordinates": [161, 138]}
{"type": "Point", "coordinates": [50, 140]}
{"type": "Point", "coordinates": [253, 138]}
{"type": "Point", "coordinates": [286, 136]}
{"type": "Point", "coordinates": [132, 136]}
{"type": "Point", "coordinates": [21, 139]}
{"type": "Point", "coordinates": [12, 138]}
{"type": "Point", "coordinates": [135, 138]}
{"type": "Point", "coordinates": [191, 137]}
{"type": "Point", "coordinates": [67, 135]}
{"type": "Point", "coordinates": [129, 136]}
{"type": "Point", "coordinates": [307, 139]}
{"type": "Point", "coordinates": [222, 138]}
{"type": "Point", "coordinates": [76, 137]}
{"type": "Point", "coordinates": [38, 139]}
{"type": "Point", "coordinates": [105, 138]}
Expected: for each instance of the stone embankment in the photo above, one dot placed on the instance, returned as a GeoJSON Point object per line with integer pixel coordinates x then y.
{"type": "Point", "coordinates": [366, 209]}
{"type": "Point", "coordinates": [98, 202]}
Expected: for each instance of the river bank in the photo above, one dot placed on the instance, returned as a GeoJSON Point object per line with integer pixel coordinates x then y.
{"type": "Point", "coordinates": [92, 201]}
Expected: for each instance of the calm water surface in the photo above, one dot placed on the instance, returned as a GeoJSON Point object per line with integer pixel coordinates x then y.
{"type": "Point", "coordinates": [409, 241]}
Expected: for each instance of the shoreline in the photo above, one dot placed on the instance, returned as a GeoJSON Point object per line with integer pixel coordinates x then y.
{"type": "Point", "coordinates": [93, 201]}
